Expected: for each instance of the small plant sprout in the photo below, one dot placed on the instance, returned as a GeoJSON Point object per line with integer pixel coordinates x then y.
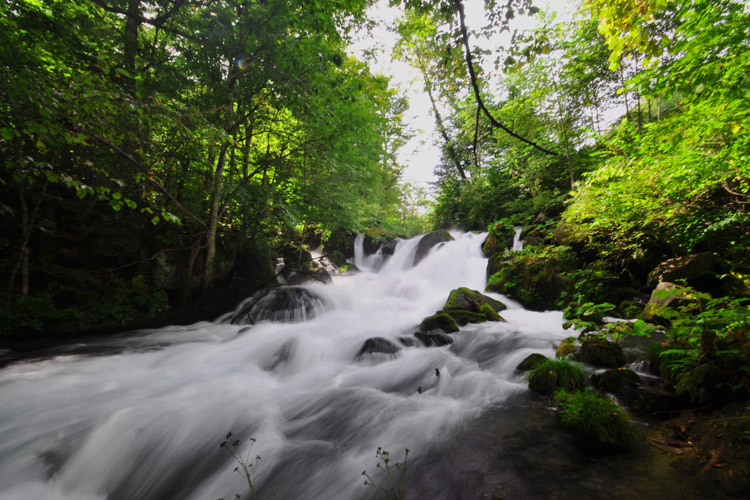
{"type": "Point", "coordinates": [245, 466]}
{"type": "Point", "coordinates": [395, 474]}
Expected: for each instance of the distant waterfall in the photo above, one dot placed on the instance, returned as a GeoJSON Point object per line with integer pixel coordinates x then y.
{"type": "Point", "coordinates": [517, 243]}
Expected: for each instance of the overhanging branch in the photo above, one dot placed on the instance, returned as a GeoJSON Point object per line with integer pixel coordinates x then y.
{"type": "Point", "coordinates": [472, 74]}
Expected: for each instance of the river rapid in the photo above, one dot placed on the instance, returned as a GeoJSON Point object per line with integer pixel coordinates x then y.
{"type": "Point", "coordinates": [141, 416]}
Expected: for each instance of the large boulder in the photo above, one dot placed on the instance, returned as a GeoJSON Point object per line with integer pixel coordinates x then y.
{"type": "Point", "coordinates": [466, 299]}
{"type": "Point", "coordinates": [469, 306]}
{"type": "Point", "coordinates": [282, 304]}
{"type": "Point", "coordinates": [499, 238]}
{"type": "Point", "coordinates": [668, 297]}
{"type": "Point", "coordinates": [428, 241]}
{"type": "Point", "coordinates": [698, 270]}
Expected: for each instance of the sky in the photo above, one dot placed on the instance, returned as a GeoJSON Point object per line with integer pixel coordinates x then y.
{"type": "Point", "coordinates": [421, 154]}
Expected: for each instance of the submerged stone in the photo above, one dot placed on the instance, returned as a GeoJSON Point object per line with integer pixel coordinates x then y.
{"type": "Point", "coordinates": [283, 304]}
{"type": "Point", "coordinates": [434, 339]}
{"type": "Point", "coordinates": [377, 345]}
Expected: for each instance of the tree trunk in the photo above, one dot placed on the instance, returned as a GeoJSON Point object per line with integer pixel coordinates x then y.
{"type": "Point", "coordinates": [132, 23]}
{"type": "Point", "coordinates": [218, 188]}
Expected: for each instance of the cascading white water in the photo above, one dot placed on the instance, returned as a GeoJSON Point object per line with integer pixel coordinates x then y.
{"type": "Point", "coordinates": [517, 243]}
{"type": "Point", "coordinates": [143, 417]}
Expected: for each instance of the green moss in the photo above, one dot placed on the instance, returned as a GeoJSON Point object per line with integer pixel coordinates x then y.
{"type": "Point", "coordinates": [489, 313]}
{"type": "Point", "coordinates": [439, 321]}
{"type": "Point", "coordinates": [464, 317]}
{"type": "Point", "coordinates": [596, 421]}
{"type": "Point", "coordinates": [534, 276]}
{"type": "Point", "coordinates": [551, 375]}
{"type": "Point", "coordinates": [531, 361]}
{"type": "Point", "coordinates": [599, 351]}
{"type": "Point", "coordinates": [566, 347]}
{"type": "Point", "coordinates": [471, 300]}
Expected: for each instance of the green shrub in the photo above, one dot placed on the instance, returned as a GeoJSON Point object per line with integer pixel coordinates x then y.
{"type": "Point", "coordinates": [596, 420]}
{"type": "Point", "coordinates": [554, 374]}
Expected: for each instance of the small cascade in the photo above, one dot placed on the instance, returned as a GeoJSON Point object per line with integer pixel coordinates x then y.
{"type": "Point", "coordinates": [372, 262]}
{"type": "Point", "coordinates": [517, 243]}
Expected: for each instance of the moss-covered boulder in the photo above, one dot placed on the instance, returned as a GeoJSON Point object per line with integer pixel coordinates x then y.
{"type": "Point", "coordinates": [551, 375]}
{"type": "Point", "coordinates": [669, 297]}
{"type": "Point", "coordinates": [469, 306]}
{"type": "Point", "coordinates": [617, 381]}
{"type": "Point", "coordinates": [598, 351]}
{"type": "Point", "coordinates": [439, 321]}
{"type": "Point", "coordinates": [534, 276]}
{"type": "Point", "coordinates": [428, 241]}
{"type": "Point", "coordinates": [531, 361]}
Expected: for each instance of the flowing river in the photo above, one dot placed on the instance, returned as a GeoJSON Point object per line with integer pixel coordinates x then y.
{"type": "Point", "coordinates": [141, 416]}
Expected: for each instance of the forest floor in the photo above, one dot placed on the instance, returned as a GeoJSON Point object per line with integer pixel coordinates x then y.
{"type": "Point", "coordinates": [712, 445]}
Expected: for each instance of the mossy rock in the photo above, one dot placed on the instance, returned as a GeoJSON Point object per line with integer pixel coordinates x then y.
{"type": "Point", "coordinates": [467, 299]}
{"type": "Point", "coordinates": [489, 313]}
{"type": "Point", "coordinates": [499, 238]}
{"type": "Point", "coordinates": [598, 351]}
{"type": "Point", "coordinates": [439, 321]}
{"type": "Point", "coordinates": [531, 361]}
{"type": "Point", "coordinates": [535, 276]}
{"type": "Point", "coordinates": [617, 381]}
{"type": "Point", "coordinates": [566, 347]}
{"type": "Point", "coordinates": [667, 298]}
{"type": "Point", "coordinates": [464, 317]}
{"type": "Point", "coordinates": [551, 375]}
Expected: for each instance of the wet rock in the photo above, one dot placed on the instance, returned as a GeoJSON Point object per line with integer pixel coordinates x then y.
{"type": "Point", "coordinates": [469, 306]}
{"type": "Point", "coordinates": [377, 345]}
{"type": "Point", "coordinates": [531, 361]}
{"type": "Point", "coordinates": [434, 338]}
{"type": "Point", "coordinates": [617, 381]}
{"type": "Point", "coordinates": [467, 299]}
{"type": "Point", "coordinates": [601, 352]}
{"type": "Point", "coordinates": [499, 238]}
{"type": "Point", "coordinates": [428, 241]}
{"type": "Point", "coordinates": [284, 304]}
{"type": "Point", "coordinates": [407, 341]}
{"type": "Point", "coordinates": [439, 321]}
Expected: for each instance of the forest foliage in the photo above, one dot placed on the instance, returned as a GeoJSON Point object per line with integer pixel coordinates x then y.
{"type": "Point", "coordinates": [148, 147]}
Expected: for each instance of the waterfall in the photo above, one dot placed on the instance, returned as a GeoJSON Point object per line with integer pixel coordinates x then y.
{"type": "Point", "coordinates": [141, 415]}
{"type": "Point", "coordinates": [517, 243]}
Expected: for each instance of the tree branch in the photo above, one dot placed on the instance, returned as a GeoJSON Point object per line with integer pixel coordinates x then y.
{"type": "Point", "coordinates": [469, 62]}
